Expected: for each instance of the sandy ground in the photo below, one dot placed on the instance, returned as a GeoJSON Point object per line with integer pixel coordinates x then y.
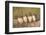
{"type": "Point", "coordinates": [33, 24]}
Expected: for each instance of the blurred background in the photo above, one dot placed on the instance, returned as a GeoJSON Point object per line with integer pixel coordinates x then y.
{"type": "Point", "coordinates": [22, 11]}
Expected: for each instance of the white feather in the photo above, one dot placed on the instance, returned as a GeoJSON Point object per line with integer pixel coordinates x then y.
{"type": "Point", "coordinates": [20, 20]}
{"type": "Point", "coordinates": [25, 19]}
{"type": "Point", "coordinates": [29, 18]}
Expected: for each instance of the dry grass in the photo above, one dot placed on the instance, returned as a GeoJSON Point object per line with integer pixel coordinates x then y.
{"type": "Point", "coordinates": [32, 24]}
